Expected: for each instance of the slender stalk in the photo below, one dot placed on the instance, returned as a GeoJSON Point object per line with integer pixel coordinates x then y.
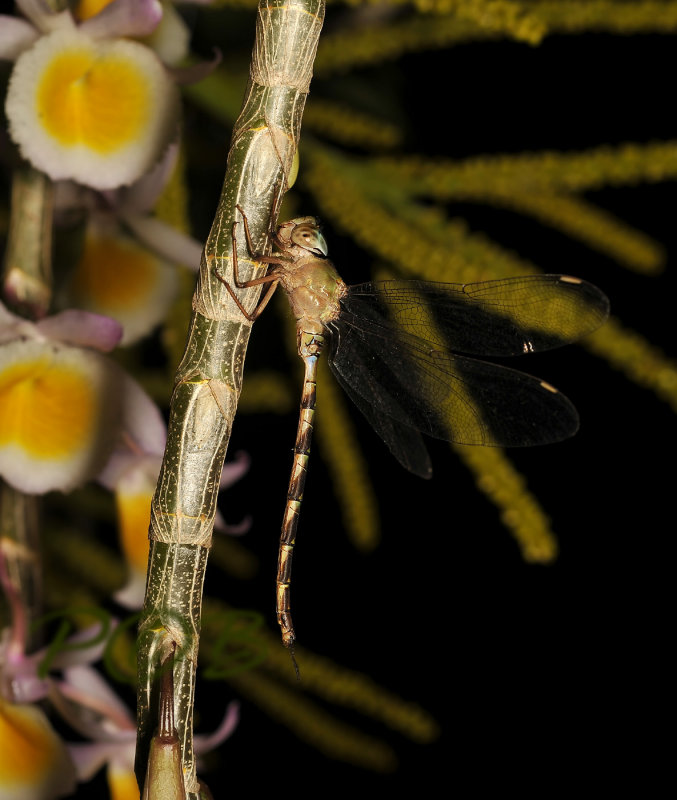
{"type": "Point", "coordinates": [20, 553]}
{"type": "Point", "coordinates": [209, 378]}
{"type": "Point", "coordinates": [27, 278]}
{"type": "Point", "coordinates": [27, 286]}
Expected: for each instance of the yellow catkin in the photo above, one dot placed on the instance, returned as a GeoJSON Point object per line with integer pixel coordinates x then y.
{"type": "Point", "coordinates": [356, 691]}
{"type": "Point", "coordinates": [349, 127]}
{"type": "Point", "coordinates": [84, 558]}
{"type": "Point", "coordinates": [335, 684]}
{"type": "Point", "coordinates": [445, 23]}
{"type": "Point", "coordinates": [505, 487]}
{"type": "Point", "coordinates": [520, 511]}
{"type": "Point", "coordinates": [637, 358]}
{"type": "Point", "coordinates": [512, 19]}
{"type": "Point", "coordinates": [266, 392]}
{"type": "Point", "coordinates": [313, 725]}
{"type": "Point", "coordinates": [546, 172]}
{"type": "Point", "coordinates": [496, 182]}
{"type": "Point", "coordinates": [416, 241]}
{"type": "Point", "coordinates": [592, 226]}
{"type": "Point", "coordinates": [337, 440]}
{"type": "Point", "coordinates": [578, 16]}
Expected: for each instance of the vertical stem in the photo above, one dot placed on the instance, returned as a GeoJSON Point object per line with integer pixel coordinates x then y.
{"type": "Point", "coordinates": [27, 285]}
{"type": "Point", "coordinates": [209, 378]}
{"type": "Point", "coordinates": [19, 542]}
{"type": "Point", "coordinates": [27, 279]}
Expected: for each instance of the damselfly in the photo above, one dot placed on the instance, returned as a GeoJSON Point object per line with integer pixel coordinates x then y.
{"type": "Point", "coordinates": [390, 348]}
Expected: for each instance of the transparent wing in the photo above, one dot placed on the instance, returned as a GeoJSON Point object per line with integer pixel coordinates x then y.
{"type": "Point", "coordinates": [493, 318]}
{"type": "Point", "coordinates": [393, 374]}
{"type": "Point", "coordinates": [404, 442]}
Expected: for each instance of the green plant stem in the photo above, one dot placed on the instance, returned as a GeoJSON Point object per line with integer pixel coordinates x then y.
{"type": "Point", "coordinates": [209, 378]}
{"type": "Point", "coordinates": [27, 269]}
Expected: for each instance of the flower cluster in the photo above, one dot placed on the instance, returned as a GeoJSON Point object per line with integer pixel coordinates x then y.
{"type": "Point", "coordinates": [92, 103]}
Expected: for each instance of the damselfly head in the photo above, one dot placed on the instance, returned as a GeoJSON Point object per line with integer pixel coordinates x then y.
{"type": "Point", "coordinates": [304, 232]}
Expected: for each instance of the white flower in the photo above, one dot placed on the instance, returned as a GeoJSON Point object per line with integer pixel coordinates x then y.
{"type": "Point", "coordinates": [83, 103]}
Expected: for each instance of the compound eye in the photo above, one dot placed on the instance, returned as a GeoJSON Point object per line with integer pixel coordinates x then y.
{"type": "Point", "coordinates": [310, 239]}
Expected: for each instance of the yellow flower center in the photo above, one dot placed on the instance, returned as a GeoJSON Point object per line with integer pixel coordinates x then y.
{"type": "Point", "coordinates": [84, 9]}
{"type": "Point", "coordinates": [122, 785]}
{"type": "Point", "coordinates": [97, 100]}
{"type": "Point", "coordinates": [133, 520]}
{"type": "Point", "coordinates": [27, 745]}
{"type": "Point", "coordinates": [46, 408]}
{"type": "Point", "coordinates": [114, 273]}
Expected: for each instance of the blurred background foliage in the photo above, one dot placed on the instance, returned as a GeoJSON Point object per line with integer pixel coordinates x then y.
{"type": "Point", "coordinates": [453, 141]}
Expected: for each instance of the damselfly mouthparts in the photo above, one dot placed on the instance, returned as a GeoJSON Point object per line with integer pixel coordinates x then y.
{"type": "Point", "coordinates": [390, 347]}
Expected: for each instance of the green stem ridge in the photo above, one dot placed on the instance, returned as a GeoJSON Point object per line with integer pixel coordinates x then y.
{"type": "Point", "coordinates": [209, 378]}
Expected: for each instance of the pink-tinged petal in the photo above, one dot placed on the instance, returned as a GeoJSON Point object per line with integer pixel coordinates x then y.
{"type": "Point", "coordinates": [90, 715]}
{"type": "Point", "coordinates": [196, 72]}
{"type": "Point", "coordinates": [7, 319]}
{"type": "Point", "coordinates": [13, 327]}
{"type": "Point", "coordinates": [84, 647]}
{"type": "Point", "coordinates": [15, 36]}
{"type": "Point", "coordinates": [43, 17]}
{"type": "Point", "coordinates": [22, 684]}
{"type": "Point", "coordinates": [141, 196]}
{"type": "Point", "coordinates": [89, 682]}
{"type": "Point", "coordinates": [234, 470]}
{"type": "Point", "coordinates": [82, 328]}
{"type": "Point", "coordinates": [119, 462]}
{"type": "Point", "coordinates": [144, 432]}
{"type": "Point", "coordinates": [133, 592]}
{"type": "Point", "coordinates": [221, 526]}
{"type": "Point", "coordinates": [171, 39]}
{"type": "Point", "coordinates": [124, 18]}
{"type": "Point", "coordinates": [142, 421]}
{"type": "Point", "coordinates": [206, 742]}
{"type": "Point", "coordinates": [166, 241]}
{"type": "Point", "coordinates": [88, 758]}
